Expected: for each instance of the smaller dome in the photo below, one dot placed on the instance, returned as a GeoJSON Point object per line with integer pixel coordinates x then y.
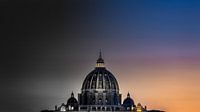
{"type": "Point", "coordinates": [128, 102]}
{"type": "Point", "coordinates": [72, 101]}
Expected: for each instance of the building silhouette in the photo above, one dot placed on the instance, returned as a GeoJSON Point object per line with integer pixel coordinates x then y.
{"type": "Point", "coordinates": [100, 92]}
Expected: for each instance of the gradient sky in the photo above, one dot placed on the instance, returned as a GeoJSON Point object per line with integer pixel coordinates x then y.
{"type": "Point", "coordinates": [151, 46]}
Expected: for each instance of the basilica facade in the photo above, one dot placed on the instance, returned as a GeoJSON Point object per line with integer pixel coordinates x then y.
{"type": "Point", "coordinates": [100, 92]}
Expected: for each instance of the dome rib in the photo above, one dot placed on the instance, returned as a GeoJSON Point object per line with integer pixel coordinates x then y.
{"type": "Point", "coordinates": [99, 79]}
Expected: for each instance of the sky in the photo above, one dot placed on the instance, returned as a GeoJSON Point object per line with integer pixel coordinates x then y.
{"type": "Point", "coordinates": [151, 47]}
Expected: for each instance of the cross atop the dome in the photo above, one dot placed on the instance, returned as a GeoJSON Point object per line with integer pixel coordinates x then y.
{"type": "Point", "coordinates": [100, 54]}
{"type": "Point", "coordinates": [100, 61]}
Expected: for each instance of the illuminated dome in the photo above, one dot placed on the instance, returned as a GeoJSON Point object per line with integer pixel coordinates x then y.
{"type": "Point", "coordinates": [100, 89]}
{"type": "Point", "coordinates": [100, 78]}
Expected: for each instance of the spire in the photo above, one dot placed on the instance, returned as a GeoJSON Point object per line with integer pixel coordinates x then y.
{"type": "Point", "coordinates": [72, 94]}
{"type": "Point", "coordinates": [100, 54]}
{"type": "Point", "coordinates": [100, 61]}
{"type": "Point", "coordinates": [128, 95]}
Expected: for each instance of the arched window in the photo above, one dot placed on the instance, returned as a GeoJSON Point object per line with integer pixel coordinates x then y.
{"type": "Point", "coordinates": [100, 101]}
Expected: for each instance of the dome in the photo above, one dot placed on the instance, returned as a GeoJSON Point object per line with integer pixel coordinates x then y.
{"type": "Point", "coordinates": [128, 102]}
{"type": "Point", "coordinates": [100, 88]}
{"type": "Point", "coordinates": [72, 103]}
{"type": "Point", "coordinates": [100, 78]}
{"type": "Point", "coordinates": [72, 100]}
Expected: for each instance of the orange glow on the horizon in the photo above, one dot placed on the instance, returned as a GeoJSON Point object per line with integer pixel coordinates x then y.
{"type": "Point", "coordinates": [173, 88]}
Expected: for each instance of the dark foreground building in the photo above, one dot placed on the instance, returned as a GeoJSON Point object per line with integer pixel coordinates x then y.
{"type": "Point", "coordinates": [100, 92]}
